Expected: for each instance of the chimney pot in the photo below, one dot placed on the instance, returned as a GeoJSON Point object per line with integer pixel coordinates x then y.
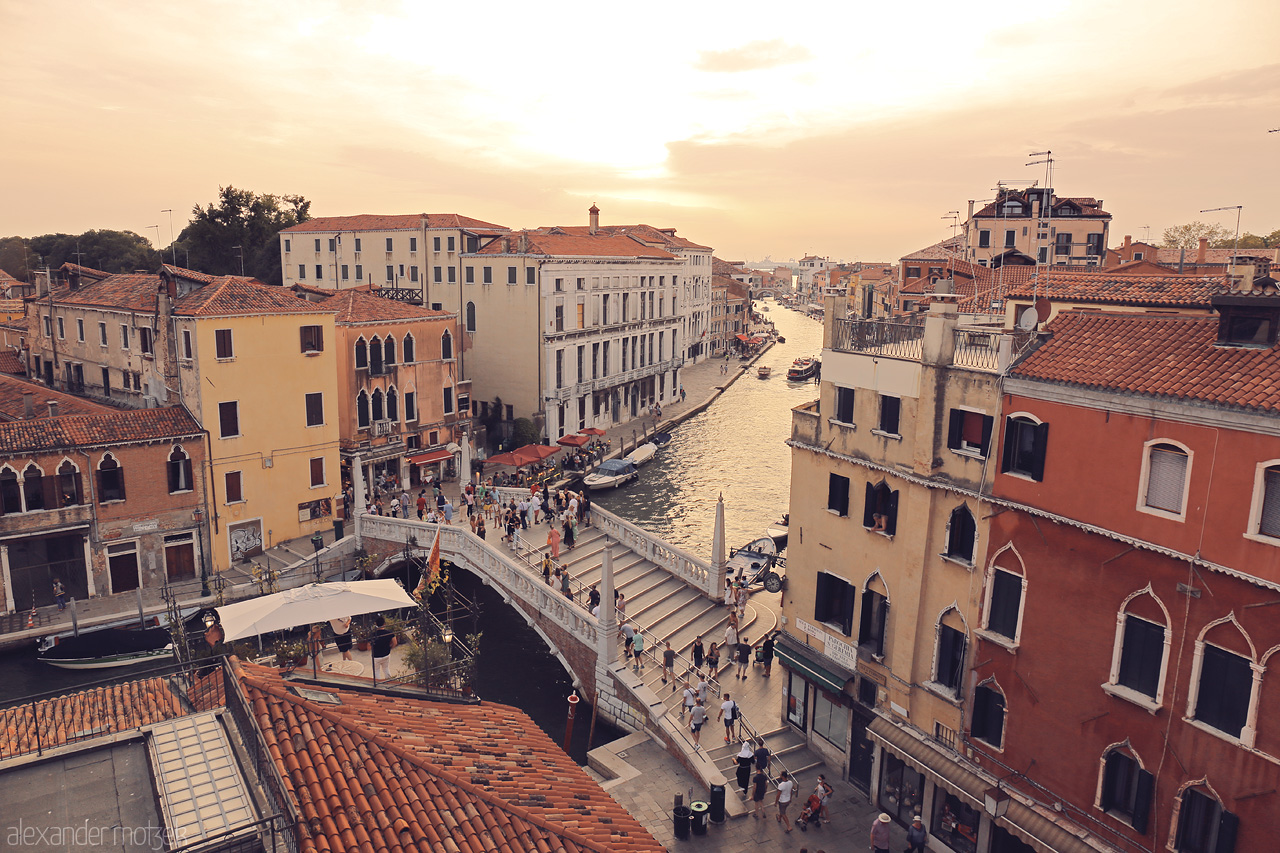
{"type": "Point", "coordinates": [28, 405]}
{"type": "Point", "coordinates": [593, 213]}
{"type": "Point", "coordinates": [53, 408]}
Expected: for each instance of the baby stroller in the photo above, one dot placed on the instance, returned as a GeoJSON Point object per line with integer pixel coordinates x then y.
{"type": "Point", "coordinates": [811, 813]}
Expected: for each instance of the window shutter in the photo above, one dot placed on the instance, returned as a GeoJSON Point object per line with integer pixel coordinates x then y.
{"type": "Point", "coordinates": [847, 597]}
{"type": "Point", "coordinates": [955, 428]}
{"type": "Point", "coordinates": [864, 619]}
{"type": "Point", "coordinates": [822, 598]}
{"type": "Point", "coordinates": [1166, 476]}
{"type": "Point", "coordinates": [1269, 522]}
{"type": "Point", "coordinates": [869, 508]}
{"type": "Point", "coordinates": [1010, 444]}
{"type": "Point", "coordinates": [891, 523]}
{"type": "Point", "coordinates": [987, 422]}
{"type": "Point", "coordinates": [882, 608]}
{"type": "Point", "coordinates": [1041, 445]}
{"type": "Point", "coordinates": [1110, 770]}
{"type": "Point", "coordinates": [120, 482]}
{"type": "Point", "coordinates": [1142, 802]}
{"type": "Point", "coordinates": [1228, 825]}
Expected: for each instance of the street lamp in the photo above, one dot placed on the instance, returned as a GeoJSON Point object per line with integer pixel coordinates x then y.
{"type": "Point", "coordinates": [996, 801]}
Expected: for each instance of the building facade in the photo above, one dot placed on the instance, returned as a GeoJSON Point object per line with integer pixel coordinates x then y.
{"type": "Point", "coordinates": [103, 501]}
{"type": "Point", "coordinates": [1038, 227]}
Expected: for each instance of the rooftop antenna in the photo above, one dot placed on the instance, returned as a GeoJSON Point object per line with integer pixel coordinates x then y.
{"type": "Point", "coordinates": [172, 245]}
{"type": "Point", "coordinates": [158, 250]}
{"type": "Point", "coordinates": [1046, 212]}
{"type": "Point", "coordinates": [1235, 247]}
{"type": "Point", "coordinates": [954, 216]}
{"type": "Point", "coordinates": [1146, 233]}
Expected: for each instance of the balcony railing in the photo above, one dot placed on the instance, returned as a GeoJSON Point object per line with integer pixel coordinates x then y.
{"type": "Point", "coordinates": [896, 340]}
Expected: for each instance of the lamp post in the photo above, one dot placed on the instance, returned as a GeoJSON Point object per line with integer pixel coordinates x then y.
{"type": "Point", "coordinates": [197, 516]}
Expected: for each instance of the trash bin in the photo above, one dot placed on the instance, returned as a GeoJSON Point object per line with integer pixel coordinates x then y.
{"type": "Point", "coordinates": [700, 810]}
{"type": "Point", "coordinates": [317, 541]}
{"type": "Point", "coordinates": [337, 529]}
{"type": "Point", "coordinates": [680, 816]}
{"type": "Point", "coordinates": [717, 804]}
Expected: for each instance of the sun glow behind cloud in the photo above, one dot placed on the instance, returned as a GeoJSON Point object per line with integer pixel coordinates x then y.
{"type": "Point", "coordinates": [727, 114]}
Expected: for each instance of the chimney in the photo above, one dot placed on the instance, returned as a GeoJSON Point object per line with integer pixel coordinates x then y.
{"type": "Point", "coordinates": [53, 408]}
{"type": "Point", "coordinates": [1124, 251]}
{"type": "Point", "coordinates": [506, 245]}
{"type": "Point", "coordinates": [73, 280]}
{"type": "Point", "coordinates": [1202, 250]}
{"type": "Point", "coordinates": [593, 214]}
{"type": "Point", "coordinates": [524, 243]}
{"type": "Point", "coordinates": [28, 405]}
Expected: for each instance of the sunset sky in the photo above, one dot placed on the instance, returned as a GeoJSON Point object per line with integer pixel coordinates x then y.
{"type": "Point", "coordinates": [844, 129]}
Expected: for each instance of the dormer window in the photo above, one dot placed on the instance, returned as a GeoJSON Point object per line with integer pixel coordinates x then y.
{"type": "Point", "coordinates": [1068, 210]}
{"type": "Point", "coordinates": [1247, 321]}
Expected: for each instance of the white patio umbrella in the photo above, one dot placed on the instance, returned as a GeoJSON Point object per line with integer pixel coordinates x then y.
{"type": "Point", "coordinates": [317, 602]}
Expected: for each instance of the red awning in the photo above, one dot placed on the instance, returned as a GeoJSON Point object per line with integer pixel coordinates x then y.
{"type": "Point", "coordinates": [573, 440]}
{"type": "Point", "coordinates": [593, 431]}
{"type": "Point", "coordinates": [428, 458]}
{"type": "Point", "coordinates": [742, 338]}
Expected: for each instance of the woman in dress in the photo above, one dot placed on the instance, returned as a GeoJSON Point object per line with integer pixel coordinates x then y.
{"type": "Point", "coordinates": [698, 653]}
{"type": "Point", "coordinates": [746, 758]}
{"type": "Point", "coordinates": [553, 542]}
{"type": "Point", "coordinates": [568, 535]}
{"type": "Point", "coordinates": [713, 659]}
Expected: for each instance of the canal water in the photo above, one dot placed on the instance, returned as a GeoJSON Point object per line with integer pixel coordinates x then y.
{"type": "Point", "coordinates": [735, 448]}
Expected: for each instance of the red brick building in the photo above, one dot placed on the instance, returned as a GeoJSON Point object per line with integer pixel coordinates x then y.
{"type": "Point", "coordinates": [101, 499]}
{"type": "Point", "coordinates": [1124, 683]}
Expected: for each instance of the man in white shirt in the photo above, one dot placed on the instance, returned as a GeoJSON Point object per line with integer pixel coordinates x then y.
{"type": "Point", "coordinates": [786, 787]}
{"type": "Point", "coordinates": [697, 716]}
{"type": "Point", "coordinates": [690, 698]}
{"type": "Point", "coordinates": [728, 713]}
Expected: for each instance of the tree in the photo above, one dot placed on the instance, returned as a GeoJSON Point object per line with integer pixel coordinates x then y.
{"type": "Point", "coordinates": [109, 251]}
{"type": "Point", "coordinates": [1254, 241]}
{"type": "Point", "coordinates": [1188, 236]}
{"type": "Point", "coordinates": [242, 226]}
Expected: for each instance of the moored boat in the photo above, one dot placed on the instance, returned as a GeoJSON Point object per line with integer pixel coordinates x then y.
{"type": "Point", "coordinates": [611, 474]}
{"type": "Point", "coordinates": [119, 643]}
{"type": "Point", "coordinates": [642, 454]}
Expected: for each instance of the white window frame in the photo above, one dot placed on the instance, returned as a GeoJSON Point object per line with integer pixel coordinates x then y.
{"type": "Point", "coordinates": [954, 695]}
{"type": "Point", "coordinates": [1015, 416]}
{"type": "Point", "coordinates": [324, 472]}
{"type": "Point", "coordinates": [1143, 480]}
{"type": "Point", "coordinates": [1256, 503]}
{"type": "Point", "coordinates": [1250, 729]}
{"type": "Point", "coordinates": [1113, 686]}
{"type": "Point", "coordinates": [989, 588]}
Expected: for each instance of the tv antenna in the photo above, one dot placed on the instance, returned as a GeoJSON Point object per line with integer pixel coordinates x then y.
{"type": "Point", "coordinates": [954, 216]}
{"type": "Point", "coordinates": [1235, 247]}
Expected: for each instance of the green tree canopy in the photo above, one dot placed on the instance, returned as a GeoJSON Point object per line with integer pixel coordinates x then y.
{"type": "Point", "coordinates": [1188, 236]}
{"type": "Point", "coordinates": [109, 251]}
{"type": "Point", "coordinates": [1264, 241]}
{"type": "Point", "coordinates": [245, 219]}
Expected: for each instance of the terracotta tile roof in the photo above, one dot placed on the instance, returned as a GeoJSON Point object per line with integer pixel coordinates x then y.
{"type": "Point", "coordinates": [129, 291]}
{"type": "Point", "coordinates": [231, 295]}
{"type": "Point", "coordinates": [13, 307]}
{"type": "Point", "coordinates": [85, 272]}
{"type": "Point", "coordinates": [719, 267]}
{"type": "Point", "coordinates": [1160, 356]}
{"type": "Point", "coordinates": [44, 433]}
{"type": "Point", "coordinates": [76, 716]}
{"type": "Point", "coordinates": [555, 243]}
{"type": "Point", "coordinates": [1170, 257]}
{"type": "Point", "coordinates": [11, 400]}
{"type": "Point", "coordinates": [1110, 287]}
{"type": "Point", "coordinates": [1089, 207]}
{"type": "Point", "coordinates": [11, 364]}
{"type": "Point", "coordinates": [390, 222]}
{"type": "Point", "coordinates": [357, 306]}
{"type": "Point", "coordinates": [938, 251]}
{"type": "Point", "coordinates": [193, 275]}
{"type": "Point", "coordinates": [645, 233]}
{"type": "Point", "coordinates": [374, 773]}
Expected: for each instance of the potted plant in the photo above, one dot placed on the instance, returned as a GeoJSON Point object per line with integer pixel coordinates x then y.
{"type": "Point", "coordinates": [361, 632]}
{"type": "Point", "coordinates": [290, 654]}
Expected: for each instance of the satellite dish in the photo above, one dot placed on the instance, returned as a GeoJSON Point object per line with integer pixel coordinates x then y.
{"type": "Point", "coordinates": [1028, 321]}
{"type": "Point", "coordinates": [452, 448]}
{"type": "Point", "coordinates": [1042, 309]}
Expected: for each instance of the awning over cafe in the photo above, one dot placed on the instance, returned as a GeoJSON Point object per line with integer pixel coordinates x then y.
{"type": "Point", "coordinates": [808, 667]}
{"type": "Point", "coordinates": [1026, 823]}
{"type": "Point", "coordinates": [429, 457]}
{"type": "Point", "coordinates": [573, 440]}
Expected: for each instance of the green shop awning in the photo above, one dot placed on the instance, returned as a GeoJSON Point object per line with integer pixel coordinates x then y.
{"type": "Point", "coordinates": [808, 668]}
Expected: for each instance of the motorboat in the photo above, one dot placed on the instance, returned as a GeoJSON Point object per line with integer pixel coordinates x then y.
{"type": "Point", "coordinates": [642, 454]}
{"type": "Point", "coordinates": [661, 439]}
{"type": "Point", "coordinates": [780, 531]}
{"type": "Point", "coordinates": [611, 474]}
{"type": "Point", "coordinates": [764, 371]}
{"type": "Point", "coordinates": [756, 562]}
{"type": "Point", "coordinates": [802, 369]}
{"type": "Point", "coordinates": [117, 644]}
